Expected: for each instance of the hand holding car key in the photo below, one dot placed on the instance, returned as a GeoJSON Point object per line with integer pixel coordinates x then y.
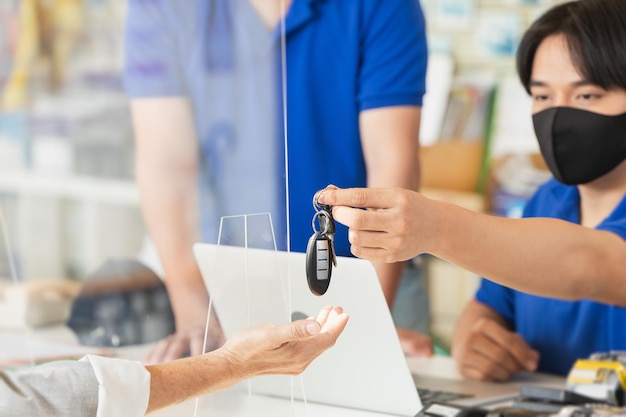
{"type": "Point", "coordinates": [320, 251]}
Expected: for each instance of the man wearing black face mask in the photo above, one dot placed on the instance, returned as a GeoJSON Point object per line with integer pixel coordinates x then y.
{"type": "Point", "coordinates": [555, 287]}
{"type": "Point", "coordinates": [580, 146]}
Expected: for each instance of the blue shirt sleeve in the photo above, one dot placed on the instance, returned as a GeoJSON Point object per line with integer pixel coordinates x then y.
{"type": "Point", "coordinates": [394, 56]}
{"type": "Point", "coordinates": [152, 61]}
{"type": "Point", "coordinates": [498, 297]}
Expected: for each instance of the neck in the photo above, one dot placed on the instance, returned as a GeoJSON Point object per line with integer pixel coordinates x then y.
{"type": "Point", "coordinates": [271, 11]}
{"type": "Point", "coordinates": [599, 198]}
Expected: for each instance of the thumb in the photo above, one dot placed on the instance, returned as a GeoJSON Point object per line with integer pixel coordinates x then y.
{"type": "Point", "coordinates": [300, 329]}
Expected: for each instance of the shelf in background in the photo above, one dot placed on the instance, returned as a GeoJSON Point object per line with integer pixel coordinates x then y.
{"type": "Point", "coordinates": [121, 192]}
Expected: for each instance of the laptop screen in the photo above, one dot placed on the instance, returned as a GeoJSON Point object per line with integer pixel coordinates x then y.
{"type": "Point", "coordinates": [366, 369]}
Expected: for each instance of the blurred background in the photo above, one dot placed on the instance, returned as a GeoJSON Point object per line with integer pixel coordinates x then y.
{"type": "Point", "coordinates": [67, 194]}
{"type": "Point", "coordinates": [66, 173]}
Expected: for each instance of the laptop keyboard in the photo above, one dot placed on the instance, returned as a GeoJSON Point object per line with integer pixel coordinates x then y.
{"type": "Point", "coordinates": [429, 396]}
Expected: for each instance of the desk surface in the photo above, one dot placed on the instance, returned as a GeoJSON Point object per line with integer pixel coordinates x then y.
{"type": "Point", "coordinates": [238, 402]}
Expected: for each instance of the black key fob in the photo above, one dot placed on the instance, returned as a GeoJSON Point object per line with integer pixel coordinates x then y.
{"type": "Point", "coordinates": [319, 263]}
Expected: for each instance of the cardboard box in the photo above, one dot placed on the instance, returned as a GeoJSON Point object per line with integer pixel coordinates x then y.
{"type": "Point", "coordinates": [452, 165]}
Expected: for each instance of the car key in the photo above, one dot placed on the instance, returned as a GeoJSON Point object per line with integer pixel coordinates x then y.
{"type": "Point", "coordinates": [320, 253]}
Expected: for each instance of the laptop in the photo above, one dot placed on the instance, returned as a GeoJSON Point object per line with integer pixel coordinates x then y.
{"type": "Point", "coordinates": [366, 369]}
{"type": "Point", "coordinates": [438, 380]}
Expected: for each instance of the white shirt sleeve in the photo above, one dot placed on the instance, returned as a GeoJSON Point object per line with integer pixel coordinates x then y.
{"type": "Point", "coordinates": [123, 386]}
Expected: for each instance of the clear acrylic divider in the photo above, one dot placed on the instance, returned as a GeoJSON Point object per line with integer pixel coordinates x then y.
{"type": "Point", "coordinates": [240, 103]}
{"type": "Point", "coordinates": [244, 274]}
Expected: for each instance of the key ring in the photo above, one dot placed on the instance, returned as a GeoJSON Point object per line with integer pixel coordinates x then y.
{"type": "Point", "coordinates": [316, 204]}
{"type": "Point", "coordinates": [325, 225]}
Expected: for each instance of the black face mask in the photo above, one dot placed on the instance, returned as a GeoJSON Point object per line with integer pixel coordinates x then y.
{"type": "Point", "coordinates": [580, 146]}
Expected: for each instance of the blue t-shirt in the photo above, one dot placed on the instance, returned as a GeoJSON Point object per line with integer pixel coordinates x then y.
{"type": "Point", "coordinates": [562, 331]}
{"type": "Point", "coordinates": [342, 57]}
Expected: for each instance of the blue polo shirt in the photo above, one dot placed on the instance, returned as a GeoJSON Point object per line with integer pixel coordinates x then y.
{"type": "Point", "coordinates": [342, 57]}
{"type": "Point", "coordinates": [562, 331]}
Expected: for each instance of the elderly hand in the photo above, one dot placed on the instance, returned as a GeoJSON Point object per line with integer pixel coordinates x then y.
{"type": "Point", "coordinates": [285, 349]}
{"type": "Point", "coordinates": [262, 350]}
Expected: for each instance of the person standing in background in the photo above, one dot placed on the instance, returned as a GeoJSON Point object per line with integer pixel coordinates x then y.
{"type": "Point", "coordinates": [203, 77]}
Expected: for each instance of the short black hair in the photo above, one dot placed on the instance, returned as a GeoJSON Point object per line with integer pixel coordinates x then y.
{"type": "Point", "coordinates": [595, 31]}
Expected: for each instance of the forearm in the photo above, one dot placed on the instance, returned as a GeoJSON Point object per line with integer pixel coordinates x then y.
{"type": "Point", "coordinates": [177, 381]}
{"type": "Point", "coordinates": [547, 257]}
{"type": "Point", "coordinates": [391, 147]}
{"type": "Point", "coordinates": [169, 212]}
{"type": "Point", "coordinates": [391, 150]}
{"type": "Point", "coordinates": [167, 175]}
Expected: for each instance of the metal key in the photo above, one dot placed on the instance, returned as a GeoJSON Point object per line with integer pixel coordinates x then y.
{"type": "Point", "coordinates": [320, 252]}
{"type": "Point", "coordinates": [327, 224]}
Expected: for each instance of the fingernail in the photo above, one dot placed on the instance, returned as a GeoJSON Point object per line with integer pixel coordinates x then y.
{"type": "Point", "coordinates": [312, 328]}
{"type": "Point", "coordinates": [322, 197]}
